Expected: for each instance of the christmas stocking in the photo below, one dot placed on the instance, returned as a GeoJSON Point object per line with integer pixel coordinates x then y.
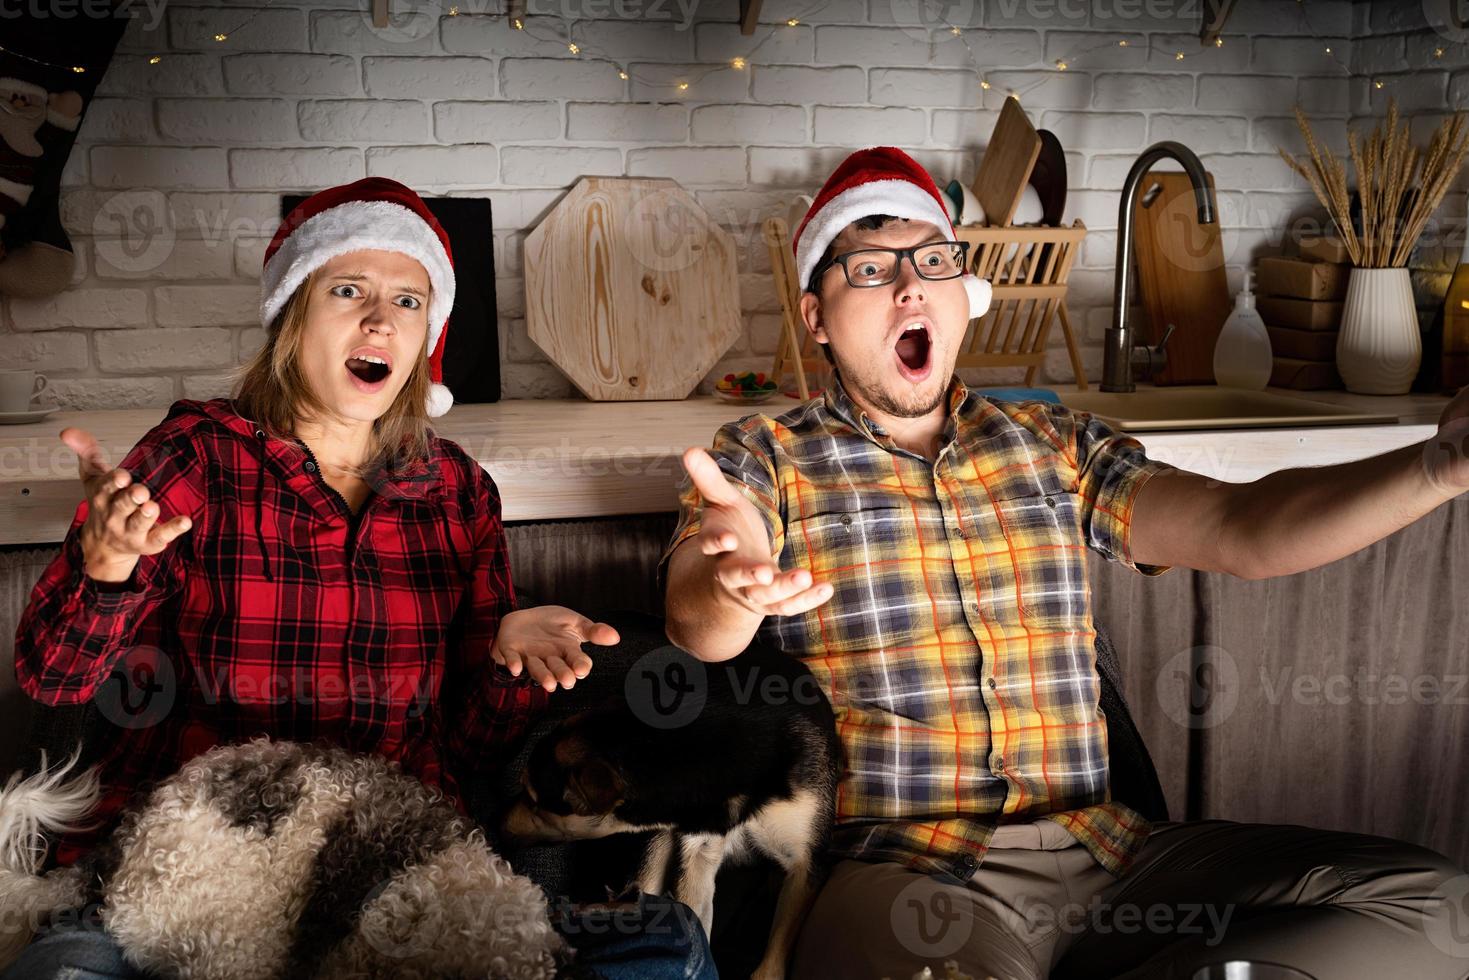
{"type": "Point", "coordinates": [42, 101]}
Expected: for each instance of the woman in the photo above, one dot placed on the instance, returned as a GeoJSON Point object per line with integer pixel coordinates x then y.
{"type": "Point", "coordinates": [307, 560]}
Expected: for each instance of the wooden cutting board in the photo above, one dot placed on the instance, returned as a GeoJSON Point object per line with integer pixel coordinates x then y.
{"type": "Point", "coordinates": [1180, 270]}
{"type": "Point", "coordinates": [1004, 170]}
{"type": "Point", "coordinates": [631, 289]}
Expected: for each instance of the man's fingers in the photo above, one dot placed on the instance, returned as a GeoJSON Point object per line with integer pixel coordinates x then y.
{"type": "Point", "coordinates": [708, 478]}
{"type": "Point", "coordinates": [801, 601]}
{"type": "Point", "coordinates": [739, 573]}
{"type": "Point", "coordinates": [716, 542]}
{"type": "Point", "coordinates": [788, 586]}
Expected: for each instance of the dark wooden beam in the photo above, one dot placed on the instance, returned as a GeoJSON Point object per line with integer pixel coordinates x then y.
{"type": "Point", "coordinates": [379, 13]}
{"type": "Point", "coordinates": [749, 15]}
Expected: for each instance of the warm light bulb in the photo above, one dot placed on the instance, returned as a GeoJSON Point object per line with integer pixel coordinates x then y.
{"type": "Point", "coordinates": [984, 84]}
{"type": "Point", "coordinates": [1060, 65]}
{"type": "Point", "coordinates": [1178, 56]}
{"type": "Point", "coordinates": [1377, 83]}
{"type": "Point", "coordinates": [1219, 42]}
{"type": "Point", "coordinates": [955, 31]}
{"type": "Point", "coordinates": [737, 64]}
{"type": "Point", "coordinates": [1328, 50]}
{"type": "Point", "coordinates": [622, 75]}
{"type": "Point", "coordinates": [154, 60]}
{"type": "Point", "coordinates": [573, 48]}
{"type": "Point", "coordinates": [78, 70]}
{"type": "Point", "coordinates": [518, 24]}
{"type": "Point", "coordinates": [221, 37]}
{"type": "Point", "coordinates": [683, 86]}
{"type": "Point", "coordinates": [1122, 43]}
{"type": "Point", "coordinates": [792, 22]}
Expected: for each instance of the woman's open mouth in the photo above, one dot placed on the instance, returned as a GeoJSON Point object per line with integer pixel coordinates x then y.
{"type": "Point", "coordinates": [369, 370]}
{"type": "Point", "coordinates": [914, 351]}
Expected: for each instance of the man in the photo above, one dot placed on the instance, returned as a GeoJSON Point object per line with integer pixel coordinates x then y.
{"type": "Point", "coordinates": [922, 548]}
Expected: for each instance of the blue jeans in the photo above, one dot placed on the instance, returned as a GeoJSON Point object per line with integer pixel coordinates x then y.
{"type": "Point", "coordinates": [74, 946]}
{"type": "Point", "coordinates": [659, 939]}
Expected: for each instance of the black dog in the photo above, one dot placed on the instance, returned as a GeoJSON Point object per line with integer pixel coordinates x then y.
{"type": "Point", "coordinates": [722, 760]}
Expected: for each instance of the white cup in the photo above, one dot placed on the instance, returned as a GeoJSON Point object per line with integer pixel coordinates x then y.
{"type": "Point", "coordinates": [18, 388]}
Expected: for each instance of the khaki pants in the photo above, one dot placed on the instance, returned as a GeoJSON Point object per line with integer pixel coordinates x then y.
{"type": "Point", "coordinates": [1337, 906]}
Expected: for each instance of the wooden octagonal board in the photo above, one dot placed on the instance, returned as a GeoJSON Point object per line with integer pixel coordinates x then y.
{"type": "Point", "coordinates": [631, 289]}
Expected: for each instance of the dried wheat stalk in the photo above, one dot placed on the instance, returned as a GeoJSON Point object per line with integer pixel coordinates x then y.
{"type": "Point", "coordinates": [1399, 187]}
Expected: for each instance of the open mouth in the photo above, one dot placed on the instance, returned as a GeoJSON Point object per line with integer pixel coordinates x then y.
{"type": "Point", "coordinates": [370, 369]}
{"type": "Point", "coordinates": [913, 348]}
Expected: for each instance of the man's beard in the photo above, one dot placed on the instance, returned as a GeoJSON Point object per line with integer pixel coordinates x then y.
{"type": "Point", "coordinates": [916, 405]}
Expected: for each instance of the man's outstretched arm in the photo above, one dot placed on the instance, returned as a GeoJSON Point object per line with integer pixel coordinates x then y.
{"type": "Point", "coordinates": [1297, 519]}
{"type": "Point", "coordinates": [722, 581]}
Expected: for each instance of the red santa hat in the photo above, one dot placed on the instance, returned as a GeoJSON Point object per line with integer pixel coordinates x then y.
{"type": "Point", "coordinates": [877, 180]}
{"type": "Point", "coordinates": [372, 213]}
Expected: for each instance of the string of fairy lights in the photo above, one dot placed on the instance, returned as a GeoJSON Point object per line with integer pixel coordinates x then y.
{"type": "Point", "coordinates": [534, 27]}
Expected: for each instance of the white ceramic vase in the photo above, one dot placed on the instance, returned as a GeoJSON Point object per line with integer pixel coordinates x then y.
{"type": "Point", "coordinates": [1378, 349]}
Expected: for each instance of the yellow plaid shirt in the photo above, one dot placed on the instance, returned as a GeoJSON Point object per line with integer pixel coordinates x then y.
{"type": "Point", "coordinates": [957, 648]}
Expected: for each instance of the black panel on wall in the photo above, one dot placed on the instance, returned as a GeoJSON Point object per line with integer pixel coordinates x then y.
{"type": "Point", "coordinates": [472, 352]}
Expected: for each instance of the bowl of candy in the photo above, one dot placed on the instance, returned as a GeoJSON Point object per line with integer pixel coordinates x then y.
{"type": "Point", "coordinates": [750, 388]}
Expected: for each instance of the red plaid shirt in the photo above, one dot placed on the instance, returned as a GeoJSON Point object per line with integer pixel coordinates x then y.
{"type": "Point", "coordinates": [282, 614]}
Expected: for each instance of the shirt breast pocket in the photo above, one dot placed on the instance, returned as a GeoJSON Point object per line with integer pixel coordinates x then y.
{"type": "Point", "coordinates": [838, 545]}
{"type": "Point", "coordinates": [1041, 530]}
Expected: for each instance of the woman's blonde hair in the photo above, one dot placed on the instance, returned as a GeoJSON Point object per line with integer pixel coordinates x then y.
{"type": "Point", "coordinates": [273, 392]}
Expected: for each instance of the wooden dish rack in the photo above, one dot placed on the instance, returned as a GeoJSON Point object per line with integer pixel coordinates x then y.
{"type": "Point", "coordinates": [1028, 267]}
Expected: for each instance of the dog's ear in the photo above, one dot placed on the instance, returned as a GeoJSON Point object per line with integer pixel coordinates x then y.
{"type": "Point", "coordinates": [593, 788]}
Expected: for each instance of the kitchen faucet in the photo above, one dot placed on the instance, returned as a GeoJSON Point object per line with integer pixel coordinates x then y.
{"type": "Point", "coordinates": [1119, 356]}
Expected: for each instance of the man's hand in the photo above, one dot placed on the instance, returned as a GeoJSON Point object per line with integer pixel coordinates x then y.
{"type": "Point", "coordinates": [546, 641]}
{"type": "Point", "coordinates": [732, 531]}
{"type": "Point", "coordinates": [1449, 461]}
{"type": "Point", "coordinates": [122, 522]}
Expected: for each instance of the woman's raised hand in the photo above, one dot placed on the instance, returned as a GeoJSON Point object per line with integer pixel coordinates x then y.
{"type": "Point", "coordinates": [122, 521]}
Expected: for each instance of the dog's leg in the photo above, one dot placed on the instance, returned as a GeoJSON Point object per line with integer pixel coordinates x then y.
{"type": "Point", "coordinates": [653, 876]}
{"type": "Point", "coordinates": [796, 895]}
{"type": "Point", "coordinates": [702, 855]}
{"type": "Point", "coordinates": [792, 832]}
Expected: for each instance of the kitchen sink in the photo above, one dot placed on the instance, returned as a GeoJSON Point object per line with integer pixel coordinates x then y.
{"type": "Point", "coordinates": [1154, 409]}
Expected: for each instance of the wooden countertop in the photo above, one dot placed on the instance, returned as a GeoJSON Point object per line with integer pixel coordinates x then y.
{"type": "Point", "coordinates": [575, 458]}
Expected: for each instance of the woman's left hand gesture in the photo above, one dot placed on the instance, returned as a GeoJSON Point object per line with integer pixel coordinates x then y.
{"type": "Point", "coordinates": [546, 641]}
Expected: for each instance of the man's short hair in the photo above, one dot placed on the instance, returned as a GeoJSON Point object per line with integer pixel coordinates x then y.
{"type": "Point", "coordinates": [871, 222]}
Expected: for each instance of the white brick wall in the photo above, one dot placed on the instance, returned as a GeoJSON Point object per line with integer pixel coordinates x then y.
{"type": "Point", "coordinates": [174, 187]}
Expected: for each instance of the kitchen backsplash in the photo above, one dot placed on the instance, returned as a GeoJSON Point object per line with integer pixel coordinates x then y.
{"type": "Point", "coordinates": [173, 190]}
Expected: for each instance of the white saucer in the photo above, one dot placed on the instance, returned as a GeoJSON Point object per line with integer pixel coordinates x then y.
{"type": "Point", "coordinates": [21, 418]}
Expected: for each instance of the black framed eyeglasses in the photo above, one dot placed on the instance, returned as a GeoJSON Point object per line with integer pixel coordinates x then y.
{"type": "Point", "coordinates": [869, 267]}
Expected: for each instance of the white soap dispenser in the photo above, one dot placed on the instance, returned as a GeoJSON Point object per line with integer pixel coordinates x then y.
{"type": "Point", "coordinates": [1242, 357]}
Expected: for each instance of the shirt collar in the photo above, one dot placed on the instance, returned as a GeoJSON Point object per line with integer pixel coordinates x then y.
{"type": "Point", "coordinates": [841, 405]}
{"type": "Point", "coordinates": [412, 481]}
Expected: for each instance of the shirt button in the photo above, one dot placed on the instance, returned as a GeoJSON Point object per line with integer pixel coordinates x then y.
{"type": "Point", "coordinates": [974, 607]}
{"type": "Point", "coordinates": [992, 683]}
{"type": "Point", "coordinates": [310, 466]}
{"type": "Point", "coordinates": [1050, 501]}
{"type": "Point", "coordinates": [847, 519]}
{"type": "Point", "coordinates": [999, 764]}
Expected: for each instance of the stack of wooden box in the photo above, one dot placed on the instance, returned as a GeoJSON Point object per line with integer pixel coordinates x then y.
{"type": "Point", "coordinates": [1300, 300]}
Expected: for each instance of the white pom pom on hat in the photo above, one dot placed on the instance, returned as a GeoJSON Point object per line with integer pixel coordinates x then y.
{"type": "Point", "coordinates": [372, 213]}
{"type": "Point", "coordinates": [877, 180]}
